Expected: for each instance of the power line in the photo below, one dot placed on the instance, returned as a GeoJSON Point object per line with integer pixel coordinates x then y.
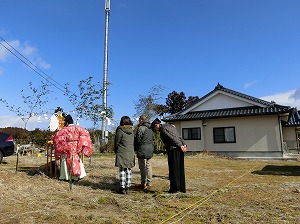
{"type": "Point", "coordinates": [32, 66]}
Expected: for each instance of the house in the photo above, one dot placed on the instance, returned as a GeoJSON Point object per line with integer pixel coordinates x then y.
{"type": "Point", "coordinates": [237, 125]}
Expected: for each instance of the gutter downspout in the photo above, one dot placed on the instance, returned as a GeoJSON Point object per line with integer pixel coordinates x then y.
{"type": "Point", "coordinates": [204, 124]}
{"type": "Point", "coordinates": [281, 135]}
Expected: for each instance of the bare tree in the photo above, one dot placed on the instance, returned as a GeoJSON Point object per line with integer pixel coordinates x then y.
{"type": "Point", "coordinates": [147, 104]}
{"type": "Point", "coordinates": [88, 102]}
{"type": "Point", "coordinates": [33, 102]}
{"type": "Point", "coordinates": [33, 105]}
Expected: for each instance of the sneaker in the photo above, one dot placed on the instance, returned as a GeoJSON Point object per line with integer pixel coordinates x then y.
{"type": "Point", "coordinates": [142, 186]}
{"type": "Point", "coordinates": [127, 190]}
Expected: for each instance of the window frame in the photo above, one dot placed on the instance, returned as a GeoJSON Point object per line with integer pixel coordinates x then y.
{"type": "Point", "coordinates": [216, 141]}
{"type": "Point", "coordinates": [190, 135]}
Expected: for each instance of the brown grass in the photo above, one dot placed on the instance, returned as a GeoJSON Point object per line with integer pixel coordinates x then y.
{"type": "Point", "coordinates": [219, 190]}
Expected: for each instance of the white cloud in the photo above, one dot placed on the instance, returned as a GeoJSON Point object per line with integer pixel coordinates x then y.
{"type": "Point", "coordinates": [15, 121]}
{"type": "Point", "coordinates": [296, 95]}
{"type": "Point", "coordinates": [28, 51]}
{"type": "Point", "coordinates": [247, 85]}
{"type": "Point", "coordinates": [3, 52]}
{"type": "Point", "coordinates": [41, 63]}
{"type": "Point", "coordinates": [290, 98]}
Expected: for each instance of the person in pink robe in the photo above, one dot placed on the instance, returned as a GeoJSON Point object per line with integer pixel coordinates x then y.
{"type": "Point", "coordinates": [69, 144]}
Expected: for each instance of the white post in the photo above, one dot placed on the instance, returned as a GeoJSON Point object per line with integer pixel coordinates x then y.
{"type": "Point", "coordinates": [104, 99]}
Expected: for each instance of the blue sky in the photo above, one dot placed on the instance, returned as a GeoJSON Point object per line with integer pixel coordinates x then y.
{"type": "Point", "coordinates": [250, 46]}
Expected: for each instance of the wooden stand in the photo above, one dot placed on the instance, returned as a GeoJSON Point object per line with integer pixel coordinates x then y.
{"type": "Point", "coordinates": [51, 169]}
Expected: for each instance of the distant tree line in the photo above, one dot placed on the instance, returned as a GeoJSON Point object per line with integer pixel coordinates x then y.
{"type": "Point", "coordinates": [23, 136]}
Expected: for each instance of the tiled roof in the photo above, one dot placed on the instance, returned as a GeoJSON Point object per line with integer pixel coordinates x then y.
{"type": "Point", "coordinates": [267, 108]}
{"type": "Point", "coordinates": [230, 112]}
{"type": "Point", "coordinates": [293, 119]}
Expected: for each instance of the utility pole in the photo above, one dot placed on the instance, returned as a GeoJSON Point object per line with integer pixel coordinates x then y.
{"type": "Point", "coordinates": [104, 98]}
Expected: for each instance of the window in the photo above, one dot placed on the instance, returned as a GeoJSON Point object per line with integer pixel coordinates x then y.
{"type": "Point", "coordinates": [224, 135]}
{"type": "Point", "coordinates": [191, 133]}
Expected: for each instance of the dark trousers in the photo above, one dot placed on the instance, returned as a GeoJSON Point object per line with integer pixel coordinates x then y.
{"type": "Point", "coordinates": [176, 170]}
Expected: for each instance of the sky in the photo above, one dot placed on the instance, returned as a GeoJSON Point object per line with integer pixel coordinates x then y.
{"type": "Point", "coordinates": [250, 46]}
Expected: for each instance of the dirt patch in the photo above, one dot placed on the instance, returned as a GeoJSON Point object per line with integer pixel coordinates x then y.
{"type": "Point", "coordinates": [219, 190]}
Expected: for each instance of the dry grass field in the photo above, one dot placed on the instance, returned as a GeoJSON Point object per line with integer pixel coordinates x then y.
{"type": "Point", "coordinates": [219, 190]}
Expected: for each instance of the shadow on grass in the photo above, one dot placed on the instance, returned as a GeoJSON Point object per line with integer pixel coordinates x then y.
{"type": "Point", "coordinates": [27, 169]}
{"type": "Point", "coordinates": [109, 183]}
{"type": "Point", "coordinates": [279, 170]}
{"type": "Point", "coordinates": [50, 170]}
{"type": "Point", "coordinates": [161, 177]}
{"type": "Point", "coordinates": [105, 183]}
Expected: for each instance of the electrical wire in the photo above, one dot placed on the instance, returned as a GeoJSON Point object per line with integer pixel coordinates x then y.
{"type": "Point", "coordinates": [33, 67]}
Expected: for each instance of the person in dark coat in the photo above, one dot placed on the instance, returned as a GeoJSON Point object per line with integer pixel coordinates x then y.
{"type": "Point", "coordinates": [124, 149]}
{"type": "Point", "coordinates": [176, 148]}
{"type": "Point", "coordinates": [143, 145]}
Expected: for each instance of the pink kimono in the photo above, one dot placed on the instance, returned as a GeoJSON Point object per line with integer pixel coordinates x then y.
{"type": "Point", "coordinates": [72, 141]}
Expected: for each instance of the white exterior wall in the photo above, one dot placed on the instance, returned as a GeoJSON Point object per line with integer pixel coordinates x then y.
{"type": "Point", "coordinates": [193, 145]}
{"type": "Point", "coordinates": [253, 134]}
{"type": "Point", "coordinates": [221, 101]}
{"type": "Point", "coordinates": [290, 137]}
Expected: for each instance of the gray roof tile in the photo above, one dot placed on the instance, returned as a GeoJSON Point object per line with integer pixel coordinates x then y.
{"type": "Point", "coordinates": [293, 119]}
{"type": "Point", "coordinates": [230, 112]}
